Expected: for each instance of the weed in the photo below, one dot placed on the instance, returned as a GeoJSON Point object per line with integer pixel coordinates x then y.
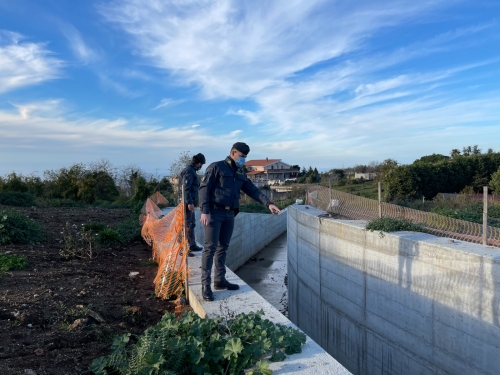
{"type": "Point", "coordinates": [78, 243]}
{"type": "Point", "coordinates": [110, 237]}
{"type": "Point", "coordinates": [130, 229]}
{"type": "Point", "coordinates": [12, 262]}
{"type": "Point", "coordinates": [149, 263]}
{"type": "Point", "coordinates": [388, 224]}
{"type": "Point", "coordinates": [18, 228]}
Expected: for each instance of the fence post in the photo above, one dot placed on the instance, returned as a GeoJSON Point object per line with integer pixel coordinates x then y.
{"type": "Point", "coordinates": [330, 206]}
{"type": "Point", "coordinates": [485, 215]}
{"type": "Point", "coordinates": [185, 250]}
{"type": "Point", "coordinates": [379, 200]}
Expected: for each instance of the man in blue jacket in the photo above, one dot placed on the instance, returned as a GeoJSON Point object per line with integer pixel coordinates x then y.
{"type": "Point", "coordinates": [188, 180]}
{"type": "Point", "coordinates": [219, 203]}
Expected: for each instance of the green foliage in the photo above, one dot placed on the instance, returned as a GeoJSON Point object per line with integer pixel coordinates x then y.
{"type": "Point", "coordinates": [130, 229]}
{"type": "Point", "coordinates": [193, 345]}
{"type": "Point", "coordinates": [141, 190]}
{"type": "Point", "coordinates": [94, 225]}
{"type": "Point", "coordinates": [110, 237]}
{"type": "Point", "coordinates": [17, 199]}
{"type": "Point", "coordinates": [472, 212]}
{"type": "Point", "coordinates": [419, 180]}
{"type": "Point", "coordinates": [18, 228]}
{"type": "Point", "coordinates": [14, 182]}
{"type": "Point", "coordinates": [387, 224]}
{"type": "Point", "coordinates": [12, 262]}
{"type": "Point", "coordinates": [495, 182]}
{"type": "Point", "coordinates": [434, 158]}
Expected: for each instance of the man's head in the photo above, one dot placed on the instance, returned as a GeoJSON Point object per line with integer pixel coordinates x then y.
{"type": "Point", "coordinates": [199, 160]}
{"type": "Point", "coordinates": [239, 152]}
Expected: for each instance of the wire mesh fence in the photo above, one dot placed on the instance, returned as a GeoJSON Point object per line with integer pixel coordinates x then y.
{"type": "Point", "coordinates": [360, 208]}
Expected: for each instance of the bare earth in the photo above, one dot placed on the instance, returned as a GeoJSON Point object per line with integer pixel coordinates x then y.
{"type": "Point", "coordinates": [50, 311]}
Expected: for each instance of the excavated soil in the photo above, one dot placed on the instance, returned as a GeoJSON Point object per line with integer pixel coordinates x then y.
{"type": "Point", "coordinates": [57, 314]}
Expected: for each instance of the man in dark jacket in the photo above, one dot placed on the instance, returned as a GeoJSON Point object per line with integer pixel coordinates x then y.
{"type": "Point", "coordinates": [188, 180]}
{"type": "Point", "coordinates": [219, 204]}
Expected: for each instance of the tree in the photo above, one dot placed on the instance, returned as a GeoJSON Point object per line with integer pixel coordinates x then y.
{"type": "Point", "coordinates": [180, 163]}
{"type": "Point", "coordinates": [495, 182]}
{"type": "Point", "coordinates": [455, 153]}
{"type": "Point", "coordinates": [434, 158]}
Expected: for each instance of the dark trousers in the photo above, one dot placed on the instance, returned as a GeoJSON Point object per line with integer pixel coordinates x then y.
{"type": "Point", "coordinates": [190, 224]}
{"type": "Point", "coordinates": [217, 236]}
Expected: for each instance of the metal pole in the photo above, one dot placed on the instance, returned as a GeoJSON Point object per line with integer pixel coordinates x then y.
{"type": "Point", "coordinates": [185, 250]}
{"type": "Point", "coordinates": [485, 215]}
{"type": "Point", "coordinates": [330, 203]}
{"type": "Point", "coordinates": [379, 200]}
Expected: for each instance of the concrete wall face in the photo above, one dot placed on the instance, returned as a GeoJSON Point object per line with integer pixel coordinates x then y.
{"type": "Point", "coordinates": [409, 303]}
{"type": "Point", "coordinates": [252, 232]}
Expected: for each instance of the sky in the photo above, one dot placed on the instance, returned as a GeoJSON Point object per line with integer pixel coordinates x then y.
{"type": "Point", "coordinates": [316, 83]}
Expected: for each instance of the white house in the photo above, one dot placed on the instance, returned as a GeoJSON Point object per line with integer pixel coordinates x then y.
{"type": "Point", "coordinates": [270, 171]}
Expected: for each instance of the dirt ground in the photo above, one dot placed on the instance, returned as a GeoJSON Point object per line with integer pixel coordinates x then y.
{"type": "Point", "coordinates": [57, 315]}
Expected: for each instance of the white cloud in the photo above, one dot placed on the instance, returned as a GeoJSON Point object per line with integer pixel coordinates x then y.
{"type": "Point", "coordinates": [252, 117]}
{"type": "Point", "coordinates": [81, 50]}
{"type": "Point", "coordinates": [236, 48]}
{"type": "Point", "coordinates": [167, 102]}
{"type": "Point", "coordinates": [25, 63]}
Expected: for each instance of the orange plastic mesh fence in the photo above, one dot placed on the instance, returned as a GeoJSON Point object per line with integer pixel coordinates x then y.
{"type": "Point", "coordinates": [159, 199]}
{"type": "Point", "coordinates": [165, 234]}
{"type": "Point", "coordinates": [360, 208]}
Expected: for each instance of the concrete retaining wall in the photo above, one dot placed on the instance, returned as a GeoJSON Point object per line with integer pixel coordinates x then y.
{"type": "Point", "coordinates": [406, 303]}
{"type": "Point", "coordinates": [252, 232]}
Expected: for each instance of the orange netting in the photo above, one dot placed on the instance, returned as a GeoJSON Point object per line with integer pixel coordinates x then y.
{"type": "Point", "coordinates": [165, 234]}
{"type": "Point", "coordinates": [360, 208]}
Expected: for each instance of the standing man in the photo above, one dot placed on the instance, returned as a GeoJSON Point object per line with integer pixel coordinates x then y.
{"type": "Point", "coordinates": [219, 203]}
{"type": "Point", "coordinates": [188, 180]}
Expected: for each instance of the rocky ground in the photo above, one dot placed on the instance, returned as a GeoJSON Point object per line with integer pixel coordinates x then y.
{"type": "Point", "coordinates": [58, 314]}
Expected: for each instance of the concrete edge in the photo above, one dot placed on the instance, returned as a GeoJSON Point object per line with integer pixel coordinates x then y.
{"type": "Point", "coordinates": [312, 360]}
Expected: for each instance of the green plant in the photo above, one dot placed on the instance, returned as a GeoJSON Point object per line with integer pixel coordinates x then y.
{"type": "Point", "coordinates": [78, 242]}
{"type": "Point", "coordinates": [192, 345]}
{"type": "Point", "coordinates": [129, 229]}
{"type": "Point", "coordinates": [110, 237]}
{"type": "Point", "coordinates": [18, 228]}
{"type": "Point", "coordinates": [94, 225]}
{"type": "Point", "coordinates": [12, 262]}
{"type": "Point", "coordinates": [17, 199]}
{"type": "Point", "coordinates": [388, 224]}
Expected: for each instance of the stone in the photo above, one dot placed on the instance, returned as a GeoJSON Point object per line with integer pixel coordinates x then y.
{"type": "Point", "coordinates": [135, 310]}
{"type": "Point", "coordinates": [96, 316]}
{"type": "Point", "coordinates": [39, 352]}
{"type": "Point", "coordinates": [78, 323]}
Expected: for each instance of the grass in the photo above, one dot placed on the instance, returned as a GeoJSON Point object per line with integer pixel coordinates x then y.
{"type": "Point", "coordinates": [368, 189]}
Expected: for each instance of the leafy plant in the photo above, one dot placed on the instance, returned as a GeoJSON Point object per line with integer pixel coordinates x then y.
{"type": "Point", "coordinates": [18, 228]}
{"type": "Point", "coordinates": [78, 242]}
{"type": "Point", "coordinates": [388, 224]}
{"type": "Point", "coordinates": [17, 199]}
{"type": "Point", "coordinates": [12, 262]}
{"type": "Point", "coordinates": [110, 237]}
{"type": "Point", "coordinates": [193, 345]}
{"type": "Point", "coordinates": [130, 229]}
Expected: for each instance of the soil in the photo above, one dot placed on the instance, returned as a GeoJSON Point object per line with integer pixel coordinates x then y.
{"type": "Point", "coordinates": [59, 314]}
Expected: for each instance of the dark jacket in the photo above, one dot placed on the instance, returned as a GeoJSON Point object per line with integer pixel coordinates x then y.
{"type": "Point", "coordinates": [221, 186]}
{"type": "Point", "coordinates": [189, 180]}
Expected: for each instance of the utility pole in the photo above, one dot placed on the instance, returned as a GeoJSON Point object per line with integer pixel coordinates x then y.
{"type": "Point", "coordinates": [485, 215]}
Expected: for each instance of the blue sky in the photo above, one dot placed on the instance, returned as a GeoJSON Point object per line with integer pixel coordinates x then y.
{"type": "Point", "coordinates": [321, 83]}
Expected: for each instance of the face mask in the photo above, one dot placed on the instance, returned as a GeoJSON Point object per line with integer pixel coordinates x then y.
{"type": "Point", "coordinates": [240, 162]}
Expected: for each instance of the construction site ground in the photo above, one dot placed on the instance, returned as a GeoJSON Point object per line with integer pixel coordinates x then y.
{"type": "Point", "coordinates": [57, 314]}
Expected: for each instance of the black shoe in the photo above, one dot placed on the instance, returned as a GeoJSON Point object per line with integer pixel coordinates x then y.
{"type": "Point", "coordinates": [224, 284]}
{"type": "Point", "coordinates": [190, 254]}
{"type": "Point", "coordinates": [207, 294]}
{"type": "Point", "coordinates": [196, 248]}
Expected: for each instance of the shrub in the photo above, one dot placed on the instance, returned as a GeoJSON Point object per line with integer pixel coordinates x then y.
{"type": "Point", "coordinates": [129, 230]}
{"type": "Point", "coordinates": [78, 242]}
{"type": "Point", "coordinates": [17, 199]}
{"type": "Point", "coordinates": [94, 225]}
{"type": "Point", "coordinates": [388, 224]}
{"type": "Point", "coordinates": [193, 345]}
{"type": "Point", "coordinates": [110, 237]}
{"type": "Point", "coordinates": [18, 228]}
